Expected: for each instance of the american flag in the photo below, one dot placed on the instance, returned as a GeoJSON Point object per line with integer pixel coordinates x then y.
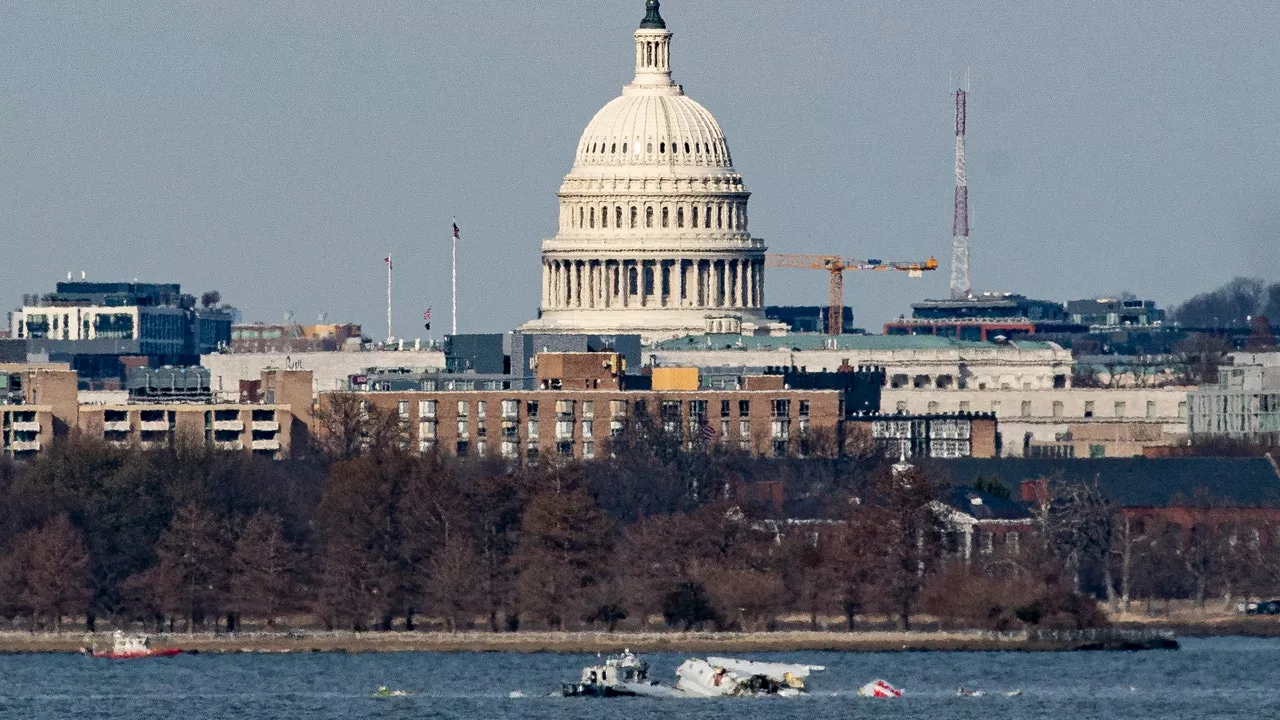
{"type": "Point", "coordinates": [708, 433]}
{"type": "Point", "coordinates": [427, 315]}
{"type": "Point", "coordinates": [387, 260]}
{"type": "Point", "coordinates": [455, 231]}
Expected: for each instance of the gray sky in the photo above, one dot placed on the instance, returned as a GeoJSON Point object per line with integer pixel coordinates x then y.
{"type": "Point", "coordinates": [276, 151]}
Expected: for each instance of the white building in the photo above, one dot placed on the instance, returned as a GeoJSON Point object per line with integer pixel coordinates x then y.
{"type": "Point", "coordinates": [917, 362]}
{"type": "Point", "coordinates": [1245, 403]}
{"type": "Point", "coordinates": [653, 217]}
{"type": "Point", "coordinates": [1064, 422]}
{"type": "Point", "coordinates": [330, 370]}
{"type": "Point", "coordinates": [1026, 384]}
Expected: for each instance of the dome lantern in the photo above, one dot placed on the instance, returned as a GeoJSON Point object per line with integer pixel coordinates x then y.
{"type": "Point", "coordinates": [653, 51]}
{"type": "Point", "coordinates": [652, 17]}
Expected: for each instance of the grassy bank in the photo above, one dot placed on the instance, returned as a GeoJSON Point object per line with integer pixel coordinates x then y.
{"type": "Point", "coordinates": [572, 642]}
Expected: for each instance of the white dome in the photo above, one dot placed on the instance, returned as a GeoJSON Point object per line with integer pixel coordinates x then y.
{"type": "Point", "coordinates": [653, 234]}
{"type": "Point", "coordinates": [654, 129]}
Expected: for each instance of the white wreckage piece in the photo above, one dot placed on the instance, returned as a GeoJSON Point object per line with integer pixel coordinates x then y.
{"type": "Point", "coordinates": [717, 676]}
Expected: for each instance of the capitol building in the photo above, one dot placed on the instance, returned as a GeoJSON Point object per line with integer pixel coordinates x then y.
{"type": "Point", "coordinates": [653, 234]}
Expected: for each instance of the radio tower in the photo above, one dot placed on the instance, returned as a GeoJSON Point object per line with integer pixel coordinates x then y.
{"type": "Point", "coordinates": [960, 288]}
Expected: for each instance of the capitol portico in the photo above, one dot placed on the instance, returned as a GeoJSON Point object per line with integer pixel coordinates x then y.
{"type": "Point", "coordinates": [653, 232]}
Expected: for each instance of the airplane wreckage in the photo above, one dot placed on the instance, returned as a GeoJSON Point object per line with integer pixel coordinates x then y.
{"type": "Point", "coordinates": [626, 675]}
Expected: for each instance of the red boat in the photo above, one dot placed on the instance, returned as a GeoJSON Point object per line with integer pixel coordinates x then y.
{"type": "Point", "coordinates": [133, 647]}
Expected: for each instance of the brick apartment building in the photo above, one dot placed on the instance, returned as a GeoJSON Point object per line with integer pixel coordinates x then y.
{"type": "Point", "coordinates": [583, 400]}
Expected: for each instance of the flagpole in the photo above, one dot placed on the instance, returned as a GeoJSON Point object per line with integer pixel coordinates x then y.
{"type": "Point", "coordinates": [455, 276]}
{"type": "Point", "coordinates": [388, 296]}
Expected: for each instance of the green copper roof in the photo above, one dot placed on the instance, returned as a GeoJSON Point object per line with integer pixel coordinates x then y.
{"type": "Point", "coordinates": [816, 341]}
{"type": "Point", "coordinates": [652, 18]}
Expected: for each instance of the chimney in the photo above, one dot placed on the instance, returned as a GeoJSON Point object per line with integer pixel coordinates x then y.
{"type": "Point", "coordinates": [1035, 491]}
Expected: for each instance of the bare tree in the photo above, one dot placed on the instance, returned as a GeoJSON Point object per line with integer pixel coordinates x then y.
{"type": "Point", "coordinates": [49, 568]}
{"type": "Point", "coordinates": [348, 426]}
{"type": "Point", "coordinates": [564, 543]}
{"type": "Point", "coordinates": [193, 564]}
{"type": "Point", "coordinates": [1076, 525]}
{"type": "Point", "coordinates": [262, 568]}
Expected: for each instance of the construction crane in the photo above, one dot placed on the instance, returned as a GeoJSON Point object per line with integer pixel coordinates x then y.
{"type": "Point", "coordinates": [837, 266]}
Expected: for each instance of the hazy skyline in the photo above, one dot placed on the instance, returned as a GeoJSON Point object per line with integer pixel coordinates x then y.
{"type": "Point", "coordinates": [277, 151]}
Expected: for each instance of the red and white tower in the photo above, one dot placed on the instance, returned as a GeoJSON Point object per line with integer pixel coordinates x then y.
{"type": "Point", "coordinates": [960, 287]}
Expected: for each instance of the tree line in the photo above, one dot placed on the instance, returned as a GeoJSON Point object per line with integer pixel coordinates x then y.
{"type": "Point", "coordinates": [368, 536]}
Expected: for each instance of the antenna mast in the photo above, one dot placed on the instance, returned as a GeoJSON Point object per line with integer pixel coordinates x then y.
{"type": "Point", "coordinates": [960, 287]}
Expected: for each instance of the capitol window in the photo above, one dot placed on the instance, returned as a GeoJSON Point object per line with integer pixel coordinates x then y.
{"type": "Point", "coordinates": [662, 147]}
{"type": "Point", "coordinates": [648, 216]}
{"type": "Point", "coordinates": [679, 217]}
{"type": "Point", "coordinates": [613, 148]}
{"type": "Point", "coordinates": [633, 217]}
{"type": "Point", "coordinates": [686, 147]}
{"type": "Point", "coordinates": [666, 214]}
{"type": "Point", "coordinates": [591, 217]}
{"type": "Point", "coordinates": [650, 147]}
{"type": "Point", "coordinates": [693, 217]}
{"type": "Point", "coordinates": [624, 148]}
{"type": "Point", "coordinates": [617, 218]}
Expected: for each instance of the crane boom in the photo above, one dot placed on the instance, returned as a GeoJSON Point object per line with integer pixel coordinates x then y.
{"type": "Point", "coordinates": [836, 265]}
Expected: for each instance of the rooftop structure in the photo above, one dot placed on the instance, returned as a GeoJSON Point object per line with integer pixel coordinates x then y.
{"type": "Point", "coordinates": [1103, 313]}
{"type": "Point", "coordinates": [292, 337]}
{"type": "Point", "coordinates": [985, 316]}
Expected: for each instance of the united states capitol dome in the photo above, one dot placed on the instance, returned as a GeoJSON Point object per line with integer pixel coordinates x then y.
{"type": "Point", "coordinates": [652, 236]}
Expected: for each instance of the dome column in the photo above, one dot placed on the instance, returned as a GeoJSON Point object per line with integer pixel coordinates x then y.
{"type": "Point", "coordinates": [547, 287]}
{"type": "Point", "coordinates": [625, 270]}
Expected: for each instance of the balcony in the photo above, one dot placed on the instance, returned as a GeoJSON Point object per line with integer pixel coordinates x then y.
{"type": "Point", "coordinates": [272, 444]}
{"type": "Point", "coordinates": [266, 426]}
{"type": "Point", "coordinates": [231, 425]}
{"type": "Point", "coordinates": [28, 426]}
{"type": "Point", "coordinates": [25, 446]}
{"type": "Point", "coordinates": [116, 426]}
{"type": "Point", "coordinates": [228, 444]}
{"type": "Point", "coordinates": [154, 426]}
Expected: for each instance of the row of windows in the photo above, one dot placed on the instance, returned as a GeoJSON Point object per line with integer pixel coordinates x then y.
{"type": "Point", "coordinates": [780, 439]}
{"type": "Point", "coordinates": [1119, 409]}
{"type": "Point", "coordinates": [720, 216]}
{"type": "Point", "coordinates": [716, 152]}
{"type": "Point", "coordinates": [946, 382]}
{"type": "Point", "coordinates": [427, 409]}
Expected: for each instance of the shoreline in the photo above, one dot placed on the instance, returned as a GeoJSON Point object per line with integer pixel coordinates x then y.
{"type": "Point", "coordinates": [19, 642]}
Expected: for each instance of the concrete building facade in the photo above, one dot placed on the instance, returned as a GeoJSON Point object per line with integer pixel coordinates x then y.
{"type": "Point", "coordinates": [1245, 402]}
{"type": "Point", "coordinates": [261, 429]}
{"type": "Point", "coordinates": [1092, 422]}
{"type": "Point", "coordinates": [329, 370]}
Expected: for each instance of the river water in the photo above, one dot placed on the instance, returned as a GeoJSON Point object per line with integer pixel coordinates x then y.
{"type": "Point", "coordinates": [1211, 678]}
